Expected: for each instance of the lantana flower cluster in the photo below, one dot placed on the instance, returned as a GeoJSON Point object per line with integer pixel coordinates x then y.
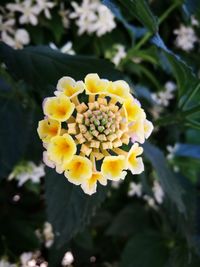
{"type": "Point", "coordinates": [91, 131]}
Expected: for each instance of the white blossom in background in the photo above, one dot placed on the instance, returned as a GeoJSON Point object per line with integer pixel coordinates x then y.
{"type": "Point", "coordinates": [64, 13]}
{"type": "Point", "coordinates": [5, 263]}
{"type": "Point", "coordinates": [45, 6]}
{"type": "Point", "coordinates": [17, 39]}
{"type": "Point", "coordinates": [48, 234]}
{"type": "Point", "coordinates": [120, 53]}
{"type": "Point", "coordinates": [25, 257]}
{"type": "Point", "coordinates": [135, 190]}
{"type": "Point", "coordinates": [68, 259]}
{"type": "Point", "coordinates": [92, 17]}
{"type": "Point", "coordinates": [185, 38]}
{"type": "Point", "coordinates": [29, 11]}
{"type": "Point", "coordinates": [171, 151]}
{"type": "Point", "coordinates": [158, 192]}
{"type": "Point", "coordinates": [105, 22]}
{"type": "Point", "coordinates": [27, 171]}
{"type": "Point", "coordinates": [150, 201]}
{"type": "Point", "coordinates": [194, 21]}
{"type": "Point", "coordinates": [163, 98]}
{"type": "Point", "coordinates": [66, 49]}
{"type": "Point", "coordinates": [7, 23]}
{"type": "Point", "coordinates": [116, 184]}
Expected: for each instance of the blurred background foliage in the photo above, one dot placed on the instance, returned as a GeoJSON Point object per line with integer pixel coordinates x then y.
{"type": "Point", "coordinates": [152, 219]}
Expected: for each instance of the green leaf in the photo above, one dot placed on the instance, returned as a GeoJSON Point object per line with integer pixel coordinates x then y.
{"type": "Point", "coordinates": [141, 10]}
{"type": "Point", "coordinates": [145, 249]}
{"type": "Point", "coordinates": [188, 150]}
{"type": "Point", "coordinates": [167, 178]}
{"type": "Point", "coordinates": [131, 219]}
{"type": "Point", "coordinates": [16, 122]}
{"type": "Point", "coordinates": [69, 209]}
{"type": "Point", "coordinates": [186, 79]}
{"type": "Point", "coordinates": [41, 66]}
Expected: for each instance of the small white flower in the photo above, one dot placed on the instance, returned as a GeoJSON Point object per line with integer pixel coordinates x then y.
{"type": "Point", "coordinates": [17, 40]}
{"type": "Point", "coordinates": [27, 171]}
{"type": "Point", "coordinates": [28, 10]}
{"type": "Point", "coordinates": [66, 49]}
{"type": "Point", "coordinates": [186, 38]}
{"type": "Point", "coordinates": [135, 190]}
{"type": "Point", "coordinates": [91, 16]}
{"type": "Point", "coordinates": [64, 13]}
{"type": "Point", "coordinates": [158, 192]}
{"type": "Point", "coordinates": [163, 98]}
{"type": "Point", "coordinates": [171, 151]}
{"type": "Point", "coordinates": [120, 53]}
{"type": "Point", "coordinates": [5, 263]}
{"type": "Point", "coordinates": [116, 184]}
{"type": "Point", "coordinates": [150, 201]}
{"type": "Point", "coordinates": [105, 22]}
{"type": "Point", "coordinates": [194, 21]}
{"type": "Point", "coordinates": [68, 259]}
{"type": "Point", "coordinates": [45, 6]}
{"type": "Point", "coordinates": [7, 24]}
{"type": "Point", "coordinates": [48, 234]}
{"type": "Point", "coordinates": [25, 258]}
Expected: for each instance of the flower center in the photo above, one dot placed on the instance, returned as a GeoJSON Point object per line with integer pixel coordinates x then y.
{"type": "Point", "coordinates": [100, 125]}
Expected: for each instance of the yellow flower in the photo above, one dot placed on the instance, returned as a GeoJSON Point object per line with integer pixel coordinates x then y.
{"type": "Point", "coordinates": [95, 85]}
{"type": "Point", "coordinates": [133, 109]}
{"type": "Point", "coordinates": [85, 139]}
{"type": "Point", "coordinates": [47, 129]}
{"type": "Point", "coordinates": [140, 130]}
{"type": "Point", "coordinates": [58, 108]}
{"type": "Point", "coordinates": [89, 186]}
{"type": "Point", "coordinates": [135, 164]}
{"type": "Point", "coordinates": [69, 87]}
{"type": "Point", "coordinates": [78, 170]}
{"type": "Point", "coordinates": [113, 167]}
{"type": "Point", "coordinates": [61, 149]}
{"type": "Point", "coordinates": [119, 90]}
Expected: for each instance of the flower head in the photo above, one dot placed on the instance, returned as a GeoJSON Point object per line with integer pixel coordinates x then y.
{"type": "Point", "coordinates": [87, 127]}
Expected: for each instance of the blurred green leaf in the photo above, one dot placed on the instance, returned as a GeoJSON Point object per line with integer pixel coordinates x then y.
{"type": "Point", "coordinates": [69, 209]}
{"type": "Point", "coordinates": [188, 150]}
{"type": "Point", "coordinates": [41, 66]}
{"type": "Point", "coordinates": [132, 219]}
{"type": "Point", "coordinates": [145, 249]}
{"type": "Point", "coordinates": [167, 178]}
{"type": "Point", "coordinates": [141, 10]}
{"type": "Point", "coordinates": [16, 122]}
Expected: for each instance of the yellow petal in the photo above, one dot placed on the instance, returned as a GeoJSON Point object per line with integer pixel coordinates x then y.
{"type": "Point", "coordinates": [135, 164]}
{"type": "Point", "coordinates": [119, 89]}
{"type": "Point", "coordinates": [136, 131]}
{"type": "Point", "coordinates": [148, 128]}
{"type": "Point", "coordinates": [89, 186]}
{"type": "Point", "coordinates": [61, 149]}
{"type": "Point", "coordinates": [133, 109]}
{"type": "Point", "coordinates": [47, 129]}
{"type": "Point", "coordinates": [78, 170]}
{"type": "Point", "coordinates": [113, 166]}
{"type": "Point", "coordinates": [69, 87]}
{"type": "Point", "coordinates": [58, 108]}
{"type": "Point", "coordinates": [95, 85]}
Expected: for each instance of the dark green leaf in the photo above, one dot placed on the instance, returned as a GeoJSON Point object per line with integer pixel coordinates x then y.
{"type": "Point", "coordinates": [167, 178]}
{"type": "Point", "coordinates": [140, 10]}
{"type": "Point", "coordinates": [131, 219]}
{"type": "Point", "coordinates": [188, 150]}
{"type": "Point", "coordinates": [145, 249]}
{"type": "Point", "coordinates": [42, 67]}
{"type": "Point", "coordinates": [69, 209]}
{"type": "Point", "coordinates": [16, 123]}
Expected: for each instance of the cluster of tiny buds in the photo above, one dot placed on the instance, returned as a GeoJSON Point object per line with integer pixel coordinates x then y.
{"type": "Point", "coordinates": [99, 125]}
